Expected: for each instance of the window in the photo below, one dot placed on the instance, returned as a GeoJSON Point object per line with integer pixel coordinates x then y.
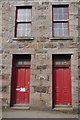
{"type": "Point", "coordinates": [23, 60]}
{"type": "Point", "coordinates": [23, 21]}
{"type": "Point", "coordinates": [60, 20]}
{"type": "Point", "coordinates": [20, 59]}
{"type": "Point", "coordinates": [61, 59]}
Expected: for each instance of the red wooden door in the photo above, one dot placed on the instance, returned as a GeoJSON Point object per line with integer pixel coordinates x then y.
{"type": "Point", "coordinates": [61, 86]}
{"type": "Point", "coordinates": [21, 85]}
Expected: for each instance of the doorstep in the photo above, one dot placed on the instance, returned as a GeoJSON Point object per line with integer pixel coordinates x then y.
{"type": "Point", "coordinates": [20, 107]}
{"type": "Point", "coordinates": [63, 107]}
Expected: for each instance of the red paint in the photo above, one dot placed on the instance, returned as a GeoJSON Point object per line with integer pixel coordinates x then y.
{"type": "Point", "coordinates": [61, 86]}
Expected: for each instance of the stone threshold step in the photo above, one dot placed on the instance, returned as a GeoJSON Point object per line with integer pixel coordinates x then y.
{"type": "Point", "coordinates": [21, 105]}
{"type": "Point", "coordinates": [21, 108]}
{"type": "Point", "coordinates": [61, 108]}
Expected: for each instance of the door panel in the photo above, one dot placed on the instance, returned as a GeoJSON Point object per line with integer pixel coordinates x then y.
{"type": "Point", "coordinates": [27, 85]}
{"type": "Point", "coordinates": [58, 90]}
{"type": "Point", "coordinates": [61, 86]}
{"type": "Point", "coordinates": [21, 79]}
{"type": "Point", "coordinates": [66, 86]}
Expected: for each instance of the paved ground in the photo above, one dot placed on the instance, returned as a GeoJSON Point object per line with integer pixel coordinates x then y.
{"type": "Point", "coordinates": [36, 114]}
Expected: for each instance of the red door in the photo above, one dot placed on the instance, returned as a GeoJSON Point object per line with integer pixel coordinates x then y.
{"type": "Point", "coordinates": [21, 85]}
{"type": "Point", "coordinates": [61, 86]}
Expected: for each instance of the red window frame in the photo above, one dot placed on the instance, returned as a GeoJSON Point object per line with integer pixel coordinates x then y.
{"type": "Point", "coordinates": [59, 21]}
{"type": "Point", "coordinates": [16, 22]}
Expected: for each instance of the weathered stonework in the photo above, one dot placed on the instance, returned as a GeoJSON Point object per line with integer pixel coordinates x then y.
{"type": "Point", "coordinates": [41, 46]}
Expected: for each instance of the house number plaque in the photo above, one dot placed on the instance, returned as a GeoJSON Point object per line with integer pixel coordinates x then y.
{"type": "Point", "coordinates": [22, 89]}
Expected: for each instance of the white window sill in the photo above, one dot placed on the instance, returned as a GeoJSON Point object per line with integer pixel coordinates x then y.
{"type": "Point", "coordinates": [23, 38]}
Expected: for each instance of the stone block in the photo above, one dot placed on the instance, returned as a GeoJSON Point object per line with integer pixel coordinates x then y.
{"type": "Point", "coordinates": [41, 89]}
{"type": "Point", "coordinates": [41, 51]}
{"type": "Point", "coordinates": [42, 67]}
{"type": "Point", "coordinates": [49, 45]}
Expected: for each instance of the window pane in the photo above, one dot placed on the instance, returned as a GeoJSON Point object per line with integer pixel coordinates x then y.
{"type": "Point", "coordinates": [60, 29]}
{"type": "Point", "coordinates": [28, 12]}
{"type": "Point", "coordinates": [24, 15]}
{"type": "Point", "coordinates": [65, 10]}
{"type": "Point", "coordinates": [59, 10]}
{"type": "Point", "coordinates": [66, 32]}
{"type": "Point", "coordinates": [24, 29]}
{"type": "Point", "coordinates": [23, 61]}
{"type": "Point", "coordinates": [61, 60]}
{"type": "Point", "coordinates": [28, 30]}
{"type": "Point", "coordinates": [60, 13]}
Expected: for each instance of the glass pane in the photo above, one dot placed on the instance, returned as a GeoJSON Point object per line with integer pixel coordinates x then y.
{"type": "Point", "coordinates": [55, 17]}
{"type": "Point", "coordinates": [59, 10]}
{"type": "Point", "coordinates": [60, 13]}
{"type": "Point", "coordinates": [65, 25]}
{"type": "Point", "coordinates": [65, 29]}
{"type": "Point", "coordinates": [24, 29]}
{"type": "Point", "coordinates": [19, 33]}
{"type": "Point", "coordinates": [55, 11]}
{"type": "Point", "coordinates": [66, 32]}
{"type": "Point", "coordinates": [60, 29]}
{"type": "Point", "coordinates": [61, 60]}
{"type": "Point", "coordinates": [24, 15]}
{"type": "Point", "coordinates": [28, 12]}
{"type": "Point", "coordinates": [55, 32]}
{"type": "Point", "coordinates": [28, 29]}
{"type": "Point", "coordinates": [65, 10]}
{"type": "Point", "coordinates": [19, 62]}
{"type": "Point", "coordinates": [23, 61]}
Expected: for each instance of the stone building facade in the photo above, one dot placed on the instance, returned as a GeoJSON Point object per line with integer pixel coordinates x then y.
{"type": "Point", "coordinates": [45, 60]}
